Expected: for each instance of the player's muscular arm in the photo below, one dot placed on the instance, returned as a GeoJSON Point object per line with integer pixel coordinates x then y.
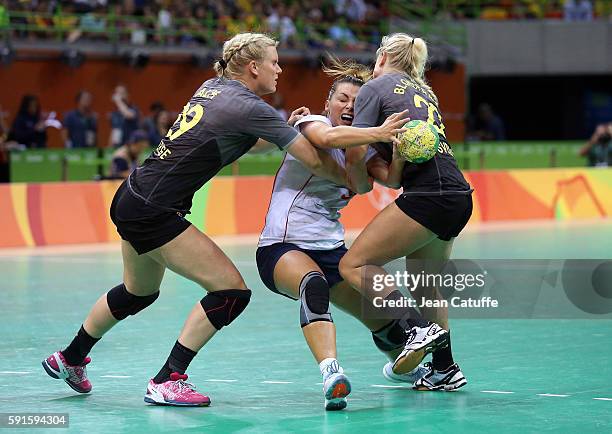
{"type": "Point", "coordinates": [356, 169]}
{"type": "Point", "coordinates": [125, 110]}
{"type": "Point", "coordinates": [261, 147]}
{"type": "Point", "coordinates": [317, 161]}
{"type": "Point", "coordinates": [325, 136]}
{"type": "Point", "coordinates": [389, 175]}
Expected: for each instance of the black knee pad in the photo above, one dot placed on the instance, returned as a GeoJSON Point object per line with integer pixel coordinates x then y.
{"type": "Point", "coordinates": [390, 337]}
{"type": "Point", "coordinates": [223, 307]}
{"type": "Point", "coordinates": [314, 299]}
{"type": "Point", "coordinates": [122, 303]}
{"type": "Point", "coordinates": [394, 334]}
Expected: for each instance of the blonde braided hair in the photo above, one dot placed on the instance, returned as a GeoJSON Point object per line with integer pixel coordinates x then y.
{"type": "Point", "coordinates": [240, 50]}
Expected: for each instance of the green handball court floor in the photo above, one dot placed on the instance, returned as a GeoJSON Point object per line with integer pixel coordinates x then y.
{"type": "Point", "coordinates": [523, 376]}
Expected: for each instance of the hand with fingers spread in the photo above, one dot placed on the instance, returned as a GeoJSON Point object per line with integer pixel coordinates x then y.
{"type": "Point", "coordinates": [298, 114]}
{"type": "Point", "coordinates": [392, 126]}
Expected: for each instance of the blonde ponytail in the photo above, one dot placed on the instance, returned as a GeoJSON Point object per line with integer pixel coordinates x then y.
{"type": "Point", "coordinates": [240, 50]}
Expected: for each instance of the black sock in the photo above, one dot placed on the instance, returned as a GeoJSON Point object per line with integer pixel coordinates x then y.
{"type": "Point", "coordinates": [80, 346]}
{"type": "Point", "coordinates": [442, 358]}
{"type": "Point", "coordinates": [178, 361]}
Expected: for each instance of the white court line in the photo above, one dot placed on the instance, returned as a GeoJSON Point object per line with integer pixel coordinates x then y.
{"type": "Point", "coordinates": [276, 382]}
{"type": "Point", "coordinates": [15, 372]}
{"type": "Point", "coordinates": [501, 392]}
{"type": "Point", "coordinates": [603, 399]}
{"type": "Point", "coordinates": [115, 376]}
{"type": "Point", "coordinates": [552, 395]}
{"type": "Point", "coordinates": [214, 380]}
{"type": "Point", "coordinates": [386, 386]}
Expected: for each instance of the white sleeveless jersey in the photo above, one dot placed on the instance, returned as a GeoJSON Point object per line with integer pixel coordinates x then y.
{"type": "Point", "coordinates": [304, 208]}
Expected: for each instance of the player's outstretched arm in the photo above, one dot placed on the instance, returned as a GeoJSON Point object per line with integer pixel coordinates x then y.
{"type": "Point", "coordinates": [317, 161]}
{"type": "Point", "coordinates": [261, 147]}
{"type": "Point", "coordinates": [344, 136]}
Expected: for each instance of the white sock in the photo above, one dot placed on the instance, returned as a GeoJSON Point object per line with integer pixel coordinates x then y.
{"type": "Point", "coordinates": [327, 365]}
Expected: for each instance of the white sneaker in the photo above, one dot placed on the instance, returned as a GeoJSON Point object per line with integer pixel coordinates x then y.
{"type": "Point", "coordinates": [450, 379]}
{"type": "Point", "coordinates": [409, 377]}
{"type": "Point", "coordinates": [336, 387]}
{"type": "Point", "coordinates": [421, 341]}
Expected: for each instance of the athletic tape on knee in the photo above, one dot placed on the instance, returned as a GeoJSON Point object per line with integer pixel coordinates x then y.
{"type": "Point", "coordinates": [123, 303]}
{"type": "Point", "coordinates": [314, 299]}
{"type": "Point", "coordinates": [223, 307]}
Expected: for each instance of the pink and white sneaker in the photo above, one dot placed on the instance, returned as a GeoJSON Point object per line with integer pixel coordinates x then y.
{"type": "Point", "coordinates": [175, 392]}
{"type": "Point", "coordinates": [75, 376]}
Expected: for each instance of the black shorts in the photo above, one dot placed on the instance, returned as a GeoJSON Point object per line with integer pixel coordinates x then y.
{"type": "Point", "coordinates": [145, 227]}
{"type": "Point", "coordinates": [444, 215]}
{"type": "Point", "coordinates": [327, 260]}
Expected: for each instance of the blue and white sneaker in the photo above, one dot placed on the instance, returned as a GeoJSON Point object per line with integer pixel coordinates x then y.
{"type": "Point", "coordinates": [336, 387]}
{"type": "Point", "coordinates": [409, 377]}
{"type": "Point", "coordinates": [449, 379]}
{"type": "Point", "coordinates": [420, 342]}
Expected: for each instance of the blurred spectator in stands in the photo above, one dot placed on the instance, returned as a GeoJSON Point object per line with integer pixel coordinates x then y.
{"type": "Point", "coordinates": [278, 102]}
{"type": "Point", "coordinates": [80, 124]}
{"type": "Point", "coordinates": [29, 127]}
{"type": "Point", "coordinates": [148, 123]}
{"type": "Point", "coordinates": [164, 24]}
{"type": "Point", "coordinates": [162, 123]}
{"type": "Point", "coordinates": [314, 33]}
{"type": "Point", "coordinates": [273, 19]}
{"type": "Point", "coordinates": [126, 158]}
{"type": "Point", "coordinates": [553, 10]}
{"type": "Point", "coordinates": [494, 12]}
{"type": "Point", "coordinates": [487, 125]}
{"type": "Point", "coordinates": [598, 149]}
{"type": "Point", "coordinates": [344, 37]}
{"type": "Point", "coordinates": [198, 26]}
{"type": "Point", "coordinates": [125, 120]}
{"type": "Point", "coordinates": [603, 9]}
{"type": "Point", "coordinates": [356, 10]}
{"type": "Point", "coordinates": [288, 31]}
{"type": "Point", "coordinates": [91, 26]}
{"type": "Point", "coordinates": [64, 19]}
{"type": "Point", "coordinates": [578, 10]}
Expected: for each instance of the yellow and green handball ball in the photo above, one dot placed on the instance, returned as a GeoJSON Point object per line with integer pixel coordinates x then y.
{"type": "Point", "coordinates": [419, 143]}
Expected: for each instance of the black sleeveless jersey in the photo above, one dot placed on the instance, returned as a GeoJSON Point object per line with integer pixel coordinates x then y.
{"type": "Point", "coordinates": [220, 123]}
{"type": "Point", "coordinates": [393, 93]}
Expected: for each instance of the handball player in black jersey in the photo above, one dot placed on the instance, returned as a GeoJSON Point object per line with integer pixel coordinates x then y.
{"type": "Point", "coordinates": [223, 120]}
{"type": "Point", "coordinates": [422, 223]}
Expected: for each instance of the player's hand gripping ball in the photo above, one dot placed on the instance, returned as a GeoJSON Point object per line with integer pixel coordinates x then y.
{"type": "Point", "coordinates": [419, 143]}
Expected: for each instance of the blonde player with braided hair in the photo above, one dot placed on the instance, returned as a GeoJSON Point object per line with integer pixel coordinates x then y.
{"type": "Point", "coordinates": [423, 222]}
{"type": "Point", "coordinates": [303, 241]}
{"type": "Point", "coordinates": [223, 120]}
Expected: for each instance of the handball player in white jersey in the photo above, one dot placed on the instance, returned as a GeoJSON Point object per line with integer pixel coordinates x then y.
{"type": "Point", "coordinates": [302, 242]}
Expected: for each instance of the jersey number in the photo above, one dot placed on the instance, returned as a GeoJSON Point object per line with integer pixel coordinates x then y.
{"type": "Point", "coordinates": [432, 110]}
{"type": "Point", "coordinates": [196, 112]}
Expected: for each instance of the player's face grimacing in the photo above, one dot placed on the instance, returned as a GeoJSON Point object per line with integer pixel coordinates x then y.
{"type": "Point", "coordinates": [268, 70]}
{"type": "Point", "coordinates": [341, 104]}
